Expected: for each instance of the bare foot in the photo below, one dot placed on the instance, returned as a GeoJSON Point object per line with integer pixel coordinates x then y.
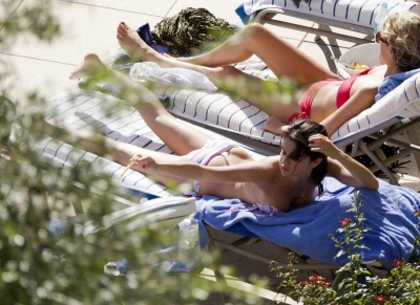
{"type": "Point", "coordinates": [274, 125]}
{"type": "Point", "coordinates": [90, 66]}
{"type": "Point", "coordinates": [131, 42]}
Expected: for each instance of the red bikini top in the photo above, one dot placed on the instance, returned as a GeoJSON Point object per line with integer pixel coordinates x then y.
{"type": "Point", "coordinates": [343, 92]}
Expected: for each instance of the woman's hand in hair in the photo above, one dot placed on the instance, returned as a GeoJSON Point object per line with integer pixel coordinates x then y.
{"type": "Point", "coordinates": [323, 144]}
{"type": "Point", "coordinates": [343, 167]}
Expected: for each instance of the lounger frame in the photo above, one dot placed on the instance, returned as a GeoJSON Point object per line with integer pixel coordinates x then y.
{"type": "Point", "coordinates": [386, 133]}
{"type": "Point", "coordinates": [354, 16]}
{"type": "Point", "coordinates": [266, 16]}
{"type": "Point", "coordinates": [239, 246]}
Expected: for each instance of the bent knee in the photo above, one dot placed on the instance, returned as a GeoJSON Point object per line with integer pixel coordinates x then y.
{"type": "Point", "coordinates": [254, 28]}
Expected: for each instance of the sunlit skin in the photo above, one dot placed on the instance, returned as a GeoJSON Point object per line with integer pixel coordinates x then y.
{"type": "Point", "coordinates": [321, 88]}
{"type": "Point", "coordinates": [279, 181]}
{"type": "Point", "coordinates": [255, 39]}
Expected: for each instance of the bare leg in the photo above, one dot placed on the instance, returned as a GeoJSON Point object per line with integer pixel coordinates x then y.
{"type": "Point", "coordinates": [176, 134]}
{"type": "Point", "coordinates": [282, 58]}
{"type": "Point", "coordinates": [120, 152]}
{"type": "Point", "coordinates": [262, 94]}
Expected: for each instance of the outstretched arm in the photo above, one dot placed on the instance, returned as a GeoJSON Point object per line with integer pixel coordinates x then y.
{"type": "Point", "coordinates": [250, 171]}
{"type": "Point", "coordinates": [343, 167]}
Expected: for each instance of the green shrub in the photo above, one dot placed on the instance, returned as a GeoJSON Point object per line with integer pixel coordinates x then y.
{"type": "Point", "coordinates": [41, 266]}
{"type": "Point", "coordinates": [400, 287]}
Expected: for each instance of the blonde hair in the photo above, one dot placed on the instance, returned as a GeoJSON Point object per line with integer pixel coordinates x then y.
{"type": "Point", "coordinates": [402, 32]}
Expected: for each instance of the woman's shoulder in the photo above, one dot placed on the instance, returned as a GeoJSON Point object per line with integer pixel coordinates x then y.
{"type": "Point", "coordinates": [373, 78]}
{"type": "Point", "coordinates": [271, 159]}
{"type": "Point", "coordinates": [270, 163]}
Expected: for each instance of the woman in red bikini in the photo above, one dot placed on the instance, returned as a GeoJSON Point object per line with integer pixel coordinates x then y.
{"type": "Point", "coordinates": [326, 97]}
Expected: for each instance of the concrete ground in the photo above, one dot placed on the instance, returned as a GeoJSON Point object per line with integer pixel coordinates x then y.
{"type": "Point", "coordinates": [90, 26]}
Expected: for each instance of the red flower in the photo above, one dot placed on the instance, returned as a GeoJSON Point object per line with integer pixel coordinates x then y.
{"type": "Point", "coordinates": [314, 278]}
{"type": "Point", "coordinates": [397, 262]}
{"type": "Point", "coordinates": [344, 222]}
{"type": "Point", "coordinates": [380, 298]}
{"type": "Point", "coordinates": [325, 285]}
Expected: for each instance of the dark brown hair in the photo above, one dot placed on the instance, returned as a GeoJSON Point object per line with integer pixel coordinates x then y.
{"type": "Point", "coordinates": [299, 132]}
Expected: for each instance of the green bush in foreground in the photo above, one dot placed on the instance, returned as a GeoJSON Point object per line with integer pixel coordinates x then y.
{"type": "Point", "coordinates": [62, 266]}
{"type": "Point", "coordinates": [400, 287]}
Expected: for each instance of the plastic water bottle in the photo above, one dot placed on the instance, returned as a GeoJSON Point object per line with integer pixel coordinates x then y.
{"type": "Point", "coordinates": [189, 243]}
{"type": "Point", "coordinates": [380, 17]}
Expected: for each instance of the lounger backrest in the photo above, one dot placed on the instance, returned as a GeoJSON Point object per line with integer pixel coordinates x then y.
{"type": "Point", "coordinates": [401, 102]}
{"type": "Point", "coordinates": [358, 12]}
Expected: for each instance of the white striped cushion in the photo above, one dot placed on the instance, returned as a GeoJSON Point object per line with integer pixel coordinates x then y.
{"type": "Point", "coordinates": [209, 108]}
{"type": "Point", "coordinates": [360, 12]}
{"type": "Point", "coordinates": [222, 110]}
{"type": "Point", "coordinates": [227, 112]}
{"type": "Point", "coordinates": [77, 110]}
{"type": "Point", "coordinates": [83, 110]}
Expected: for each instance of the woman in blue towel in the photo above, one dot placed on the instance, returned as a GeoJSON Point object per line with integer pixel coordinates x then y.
{"type": "Point", "coordinates": [326, 98]}
{"type": "Point", "coordinates": [219, 167]}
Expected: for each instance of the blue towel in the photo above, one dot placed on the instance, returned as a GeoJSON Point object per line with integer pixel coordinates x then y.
{"type": "Point", "coordinates": [392, 81]}
{"type": "Point", "coordinates": [306, 230]}
{"type": "Point", "coordinates": [146, 35]}
{"type": "Point", "coordinates": [240, 11]}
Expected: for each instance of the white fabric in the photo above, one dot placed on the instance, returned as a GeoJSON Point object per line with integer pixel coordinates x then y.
{"type": "Point", "coordinates": [360, 12]}
{"type": "Point", "coordinates": [150, 71]}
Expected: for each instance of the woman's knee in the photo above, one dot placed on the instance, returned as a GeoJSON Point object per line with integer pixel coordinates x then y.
{"type": "Point", "coordinates": [253, 28]}
{"type": "Point", "coordinates": [254, 31]}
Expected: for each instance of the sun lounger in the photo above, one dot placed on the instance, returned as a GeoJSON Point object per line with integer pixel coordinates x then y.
{"type": "Point", "coordinates": [225, 113]}
{"type": "Point", "coordinates": [389, 212]}
{"type": "Point", "coordinates": [395, 114]}
{"type": "Point", "coordinates": [356, 16]}
{"type": "Point", "coordinates": [238, 119]}
{"type": "Point", "coordinates": [307, 230]}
